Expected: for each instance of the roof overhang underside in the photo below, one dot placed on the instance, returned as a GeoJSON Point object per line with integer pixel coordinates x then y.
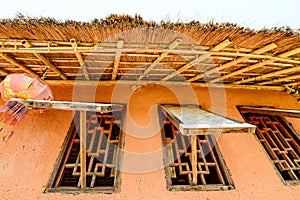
{"type": "Point", "coordinates": [207, 56]}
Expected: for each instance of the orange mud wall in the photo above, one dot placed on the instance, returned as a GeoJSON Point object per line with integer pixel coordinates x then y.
{"type": "Point", "coordinates": [28, 158]}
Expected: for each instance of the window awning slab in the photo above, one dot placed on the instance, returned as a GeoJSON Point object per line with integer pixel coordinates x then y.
{"type": "Point", "coordinates": [192, 120]}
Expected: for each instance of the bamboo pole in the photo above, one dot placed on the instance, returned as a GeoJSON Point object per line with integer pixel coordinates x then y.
{"type": "Point", "coordinates": [163, 83]}
{"type": "Point", "coordinates": [117, 59]}
{"type": "Point", "coordinates": [172, 46]}
{"type": "Point", "coordinates": [80, 59]}
{"type": "Point", "coordinates": [287, 78]}
{"type": "Point", "coordinates": [218, 47]}
{"type": "Point", "coordinates": [240, 71]}
{"type": "Point", "coordinates": [45, 60]}
{"type": "Point", "coordinates": [283, 55]}
{"type": "Point", "coordinates": [83, 149]}
{"type": "Point", "coordinates": [14, 62]}
{"type": "Point", "coordinates": [234, 62]}
{"type": "Point", "coordinates": [272, 111]}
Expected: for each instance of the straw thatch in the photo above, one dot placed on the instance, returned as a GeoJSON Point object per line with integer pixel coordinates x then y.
{"type": "Point", "coordinates": [129, 48]}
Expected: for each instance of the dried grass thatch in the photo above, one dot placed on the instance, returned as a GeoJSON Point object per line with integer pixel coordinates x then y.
{"type": "Point", "coordinates": [144, 43]}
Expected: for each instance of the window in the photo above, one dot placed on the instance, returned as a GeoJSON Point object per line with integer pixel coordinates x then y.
{"type": "Point", "coordinates": [279, 139]}
{"type": "Point", "coordinates": [104, 140]}
{"type": "Point", "coordinates": [194, 162]}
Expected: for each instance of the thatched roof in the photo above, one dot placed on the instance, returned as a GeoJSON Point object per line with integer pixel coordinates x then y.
{"type": "Point", "coordinates": [129, 48]}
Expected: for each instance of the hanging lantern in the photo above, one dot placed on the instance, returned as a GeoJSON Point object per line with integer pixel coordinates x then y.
{"type": "Point", "coordinates": [17, 88]}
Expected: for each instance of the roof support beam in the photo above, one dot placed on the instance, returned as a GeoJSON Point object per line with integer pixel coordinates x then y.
{"type": "Point", "coordinates": [173, 83]}
{"type": "Point", "coordinates": [218, 47]}
{"type": "Point", "coordinates": [284, 71]}
{"type": "Point", "coordinates": [172, 46]}
{"type": "Point", "coordinates": [272, 111]}
{"type": "Point", "coordinates": [288, 78]}
{"type": "Point", "coordinates": [272, 74]}
{"type": "Point", "coordinates": [234, 62]}
{"type": "Point", "coordinates": [240, 71]}
{"type": "Point", "coordinates": [14, 62]}
{"type": "Point", "coordinates": [120, 45]}
{"type": "Point", "coordinates": [80, 59]}
{"type": "Point", "coordinates": [45, 60]}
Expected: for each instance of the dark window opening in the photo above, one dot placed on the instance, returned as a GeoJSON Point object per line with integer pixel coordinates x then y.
{"type": "Point", "coordinates": [280, 141]}
{"type": "Point", "coordinates": [212, 173]}
{"type": "Point", "coordinates": [104, 140]}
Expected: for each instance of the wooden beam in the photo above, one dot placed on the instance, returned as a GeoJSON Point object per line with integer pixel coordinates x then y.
{"type": "Point", "coordinates": [187, 66]}
{"type": "Point", "coordinates": [240, 71]}
{"type": "Point", "coordinates": [279, 80]}
{"type": "Point", "coordinates": [14, 62]}
{"type": "Point", "coordinates": [80, 59]}
{"type": "Point", "coordinates": [163, 83]}
{"type": "Point", "coordinates": [194, 158]}
{"type": "Point", "coordinates": [45, 60]}
{"type": "Point", "coordinates": [83, 149]}
{"type": "Point", "coordinates": [172, 46]}
{"type": "Point", "coordinates": [284, 71]}
{"type": "Point", "coordinates": [234, 62]}
{"type": "Point", "coordinates": [243, 70]}
{"type": "Point", "coordinates": [272, 111]}
{"type": "Point", "coordinates": [117, 59]}
{"type": "Point", "coordinates": [292, 84]}
{"type": "Point", "coordinates": [290, 53]}
{"type": "Point", "coordinates": [218, 47]}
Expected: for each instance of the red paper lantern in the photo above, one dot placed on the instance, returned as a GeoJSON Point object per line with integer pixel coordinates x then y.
{"type": "Point", "coordinates": [15, 90]}
{"type": "Point", "coordinates": [24, 87]}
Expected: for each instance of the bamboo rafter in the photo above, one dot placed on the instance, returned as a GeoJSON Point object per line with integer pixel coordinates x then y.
{"type": "Point", "coordinates": [45, 60]}
{"type": "Point", "coordinates": [252, 67]}
{"type": "Point", "coordinates": [268, 75]}
{"type": "Point", "coordinates": [14, 62]}
{"type": "Point", "coordinates": [218, 47]}
{"type": "Point", "coordinates": [80, 59]}
{"type": "Point", "coordinates": [234, 62]}
{"type": "Point", "coordinates": [172, 46]}
{"type": "Point", "coordinates": [117, 59]}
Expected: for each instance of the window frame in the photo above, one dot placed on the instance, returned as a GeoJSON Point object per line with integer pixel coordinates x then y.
{"type": "Point", "coordinates": [59, 161]}
{"type": "Point", "coordinates": [198, 187]}
{"type": "Point", "coordinates": [282, 113]}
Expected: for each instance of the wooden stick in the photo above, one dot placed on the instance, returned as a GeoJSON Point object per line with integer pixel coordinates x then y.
{"type": "Point", "coordinates": [14, 62]}
{"type": "Point", "coordinates": [194, 158]}
{"type": "Point", "coordinates": [80, 59]}
{"type": "Point", "coordinates": [234, 62]}
{"type": "Point", "coordinates": [272, 111]}
{"type": "Point", "coordinates": [240, 71]}
{"type": "Point", "coordinates": [218, 47]}
{"type": "Point", "coordinates": [268, 75]}
{"type": "Point", "coordinates": [163, 83]}
{"type": "Point", "coordinates": [287, 78]}
{"type": "Point", "coordinates": [172, 46]}
{"type": "Point", "coordinates": [283, 55]}
{"type": "Point", "coordinates": [117, 59]}
{"type": "Point", "coordinates": [45, 60]}
{"type": "Point", "coordinates": [83, 149]}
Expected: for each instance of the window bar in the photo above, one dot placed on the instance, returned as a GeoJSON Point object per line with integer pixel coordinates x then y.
{"type": "Point", "coordinates": [194, 158]}
{"type": "Point", "coordinates": [83, 149]}
{"type": "Point", "coordinates": [57, 182]}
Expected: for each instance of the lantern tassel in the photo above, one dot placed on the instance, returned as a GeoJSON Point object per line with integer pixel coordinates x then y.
{"type": "Point", "coordinates": [13, 111]}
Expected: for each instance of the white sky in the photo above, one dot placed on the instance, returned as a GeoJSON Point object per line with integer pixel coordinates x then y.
{"type": "Point", "coordinates": [255, 14]}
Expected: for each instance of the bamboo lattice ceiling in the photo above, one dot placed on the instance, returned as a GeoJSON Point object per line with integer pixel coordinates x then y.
{"type": "Point", "coordinates": [129, 49]}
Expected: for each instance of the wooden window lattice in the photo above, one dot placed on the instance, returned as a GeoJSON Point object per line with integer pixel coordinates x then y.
{"type": "Point", "coordinates": [211, 170]}
{"type": "Point", "coordinates": [103, 143]}
{"type": "Point", "coordinates": [280, 141]}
